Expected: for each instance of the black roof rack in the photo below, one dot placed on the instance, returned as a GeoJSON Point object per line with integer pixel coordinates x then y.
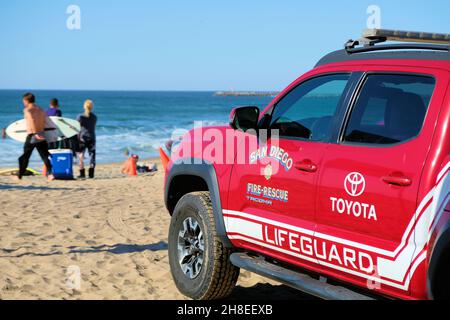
{"type": "Point", "coordinates": [417, 45]}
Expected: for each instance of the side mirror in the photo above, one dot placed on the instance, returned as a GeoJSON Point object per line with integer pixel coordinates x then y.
{"type": "Point", "coordinates": [244, 118]}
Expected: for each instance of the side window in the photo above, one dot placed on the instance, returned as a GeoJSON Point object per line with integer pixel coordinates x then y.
{"type": "Point", "coordinates": [389, 109]}
{"type": "Point", "coordinates": [308, 110]}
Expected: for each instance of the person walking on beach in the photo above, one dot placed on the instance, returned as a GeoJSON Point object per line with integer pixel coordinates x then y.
{"type": "Point", "coordinates": [54, 110]}
{"type": "Point", "coordinates": [88, 121]}
{"type": "Point", "coordinates": [35, 121]}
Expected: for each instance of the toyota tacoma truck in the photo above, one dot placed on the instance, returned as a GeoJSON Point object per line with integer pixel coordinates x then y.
{"type": "Point", "coordinates": [340, 187]}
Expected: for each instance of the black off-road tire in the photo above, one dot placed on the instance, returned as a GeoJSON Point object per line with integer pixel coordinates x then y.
{"type": "Point", "coordinates": [217, 277]}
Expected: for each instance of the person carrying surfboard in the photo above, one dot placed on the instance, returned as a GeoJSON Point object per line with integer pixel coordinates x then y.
{"type": "Point", "coordinates": [88, 121]}
{"type": "Point", "coordinates": [35, 122]}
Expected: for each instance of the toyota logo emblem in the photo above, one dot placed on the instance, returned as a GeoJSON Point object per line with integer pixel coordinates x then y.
{"type": "Point", "coordinates": [355, 184]}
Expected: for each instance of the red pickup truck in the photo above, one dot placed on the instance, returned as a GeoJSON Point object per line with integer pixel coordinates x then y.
{"type": "Point", "coordinates": [339, 187]}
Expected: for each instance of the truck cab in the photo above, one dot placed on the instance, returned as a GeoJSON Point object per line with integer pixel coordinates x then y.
{"type": "Point", "coordinates": [348, 194]}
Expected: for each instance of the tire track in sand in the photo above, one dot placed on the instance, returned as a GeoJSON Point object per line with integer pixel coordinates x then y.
{"type": "Point", "coordinates": [116, 223]}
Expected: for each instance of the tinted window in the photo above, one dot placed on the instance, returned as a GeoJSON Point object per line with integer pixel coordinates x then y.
{"type": "Point", "coordinates": [308, 110]}
{"type": "Point", "coordinates": [389, 109]}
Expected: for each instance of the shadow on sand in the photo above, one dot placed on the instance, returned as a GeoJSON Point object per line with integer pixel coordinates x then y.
{"type": "Point", "coordinates": [264, 291]}
{"type": "Point", "coordinates": [260, 291]}
{"type": "Point", "coordinates": [121, 248]}
{"type": "Point", "coordinates": [29, 188]}
{"type": "Point", "coordinates": [115, 249]}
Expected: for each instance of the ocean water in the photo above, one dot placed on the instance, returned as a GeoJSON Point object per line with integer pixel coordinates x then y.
{"type": "Point", "coordinates": [138, 121]}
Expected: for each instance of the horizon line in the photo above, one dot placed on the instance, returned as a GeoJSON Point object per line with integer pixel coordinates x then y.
{"type": "Point", "coordinates": [137, 90]}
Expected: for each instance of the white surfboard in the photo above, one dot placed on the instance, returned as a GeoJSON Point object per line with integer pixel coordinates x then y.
{"type": "Point", "coordinates": [55, 128]}
{"type": "Point", "coordinates": [67, 127]}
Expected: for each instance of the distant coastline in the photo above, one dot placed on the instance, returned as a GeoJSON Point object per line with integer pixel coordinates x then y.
{"type": "Point", "coordinates": [245, 93]}
{"type": "Point", "coordinates": [215, 93]}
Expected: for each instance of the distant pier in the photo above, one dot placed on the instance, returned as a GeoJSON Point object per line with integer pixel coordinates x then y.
{"type": "Point", "coordinates": [245, 93]}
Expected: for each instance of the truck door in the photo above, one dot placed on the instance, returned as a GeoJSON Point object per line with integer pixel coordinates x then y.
{"type": "Point", "coordinates": [367, 210]}
{"type": "Point", "coordinates": [271, 205]}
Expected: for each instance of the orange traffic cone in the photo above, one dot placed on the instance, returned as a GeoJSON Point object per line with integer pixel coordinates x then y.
{"type": "Point", "coordinates": [133, 171]}
{"type": "Point", "coordinates": [164, 158]}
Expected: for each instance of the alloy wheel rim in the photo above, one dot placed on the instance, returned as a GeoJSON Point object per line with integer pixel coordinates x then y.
{"type": "Point", "coordinates": [191, 247]}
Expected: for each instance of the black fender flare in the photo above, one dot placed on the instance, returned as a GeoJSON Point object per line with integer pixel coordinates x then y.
{"type": "Point", "coordinates": [205, 171]}
{"type": "Point", "coordinates": [441, 248]}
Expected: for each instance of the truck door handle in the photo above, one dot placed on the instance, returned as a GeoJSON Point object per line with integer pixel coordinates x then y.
{"type": "Point", "coordinates": [397, 179]}
{"type": "Point", "coordinates": [306, 166]}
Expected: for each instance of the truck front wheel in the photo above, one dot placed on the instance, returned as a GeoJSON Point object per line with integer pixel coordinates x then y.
{"type": "Point", "coordinates": [199, 263]}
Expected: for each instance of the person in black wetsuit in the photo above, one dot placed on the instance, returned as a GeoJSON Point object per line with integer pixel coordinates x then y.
{"type": "Point", "coordinates": [88, 121]}
{"type": "Point", "coordinates": [54, 111]}
{"type": "Point", "coordinates": [35, 119]}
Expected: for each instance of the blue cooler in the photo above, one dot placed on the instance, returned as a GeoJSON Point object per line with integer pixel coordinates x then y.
{"type": "Point", "coordinates": [62, 161]}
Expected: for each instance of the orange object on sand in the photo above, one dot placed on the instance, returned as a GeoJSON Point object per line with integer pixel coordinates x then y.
{"type": "Point", "coordinates": [164, 158]}
{"type": "Point", "coordinates": [129, 167]}
{"type": "Point", "coordinates": [133, 171]}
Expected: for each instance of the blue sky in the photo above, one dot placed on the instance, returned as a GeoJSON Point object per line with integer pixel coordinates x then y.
{"type": "Point", "coordinates": [186, 45]}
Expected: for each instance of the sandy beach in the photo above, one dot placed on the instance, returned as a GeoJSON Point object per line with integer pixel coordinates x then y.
{"type": "Point", "coordinates": [112, 229]}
